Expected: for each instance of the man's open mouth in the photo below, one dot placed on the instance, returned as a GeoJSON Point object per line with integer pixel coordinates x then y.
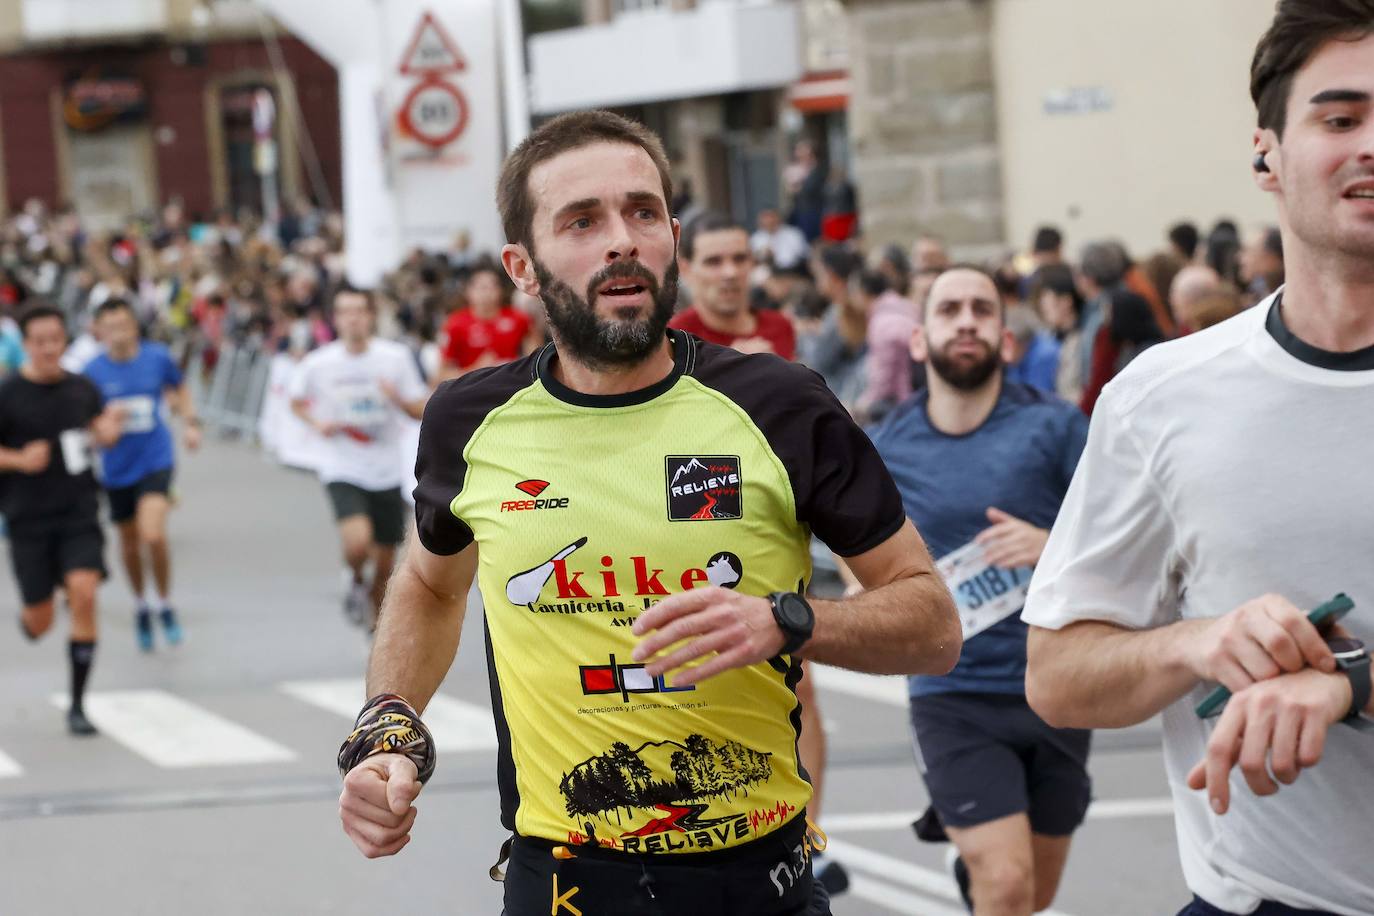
{"type": "Point", "coordinates": [622, 289]}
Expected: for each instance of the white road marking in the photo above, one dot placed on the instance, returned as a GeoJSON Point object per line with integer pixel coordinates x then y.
{"type": "Point", "coordinates": [170, 732]}
{"type": "Point", "coordinates": [9, 766]}
{"type": "Point", "coordinates": [897, 899]}
{"type": "Point", "coordinates": [1131, 807]}
{"type": "Point", "coordinates": [926, 880]}
{"type": "Point", "coordinates": [455, 724]}
{"type": "Point", "coordinates": [1109, 809]}
{"type": "Point", "coordinates": [888, 689]}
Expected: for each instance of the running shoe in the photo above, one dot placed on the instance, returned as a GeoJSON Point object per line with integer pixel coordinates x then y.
{"type": "Point", "coordinates": [143, 629]}
{"type": "Point", "coordinates": [78, 724]}
{"type": "Point", "coordinates": [959, 870]}
{"type": "Point", "coordinates": [171, 629]}
{"type": "Point", "coordinates": [833, 877]}
{"type": "Point", "coordinates": [356, 603]}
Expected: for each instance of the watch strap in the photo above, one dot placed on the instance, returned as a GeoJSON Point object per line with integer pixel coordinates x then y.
{"type": "Point", "coordinates": [793, 639]}
{"type": "Point", "coordinates": [1361, 684]}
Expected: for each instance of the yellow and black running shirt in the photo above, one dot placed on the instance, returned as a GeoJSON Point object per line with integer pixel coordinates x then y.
{"type": "Point", "coordinates": [589, 509]}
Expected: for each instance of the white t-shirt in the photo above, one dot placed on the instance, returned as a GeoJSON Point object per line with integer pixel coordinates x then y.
{"type": "Point", "coordinates": [1220, 467]}
{"type": "Point", "coordinates": [787, 244]}
{"type": "Point", "coordinates": [343, 387]}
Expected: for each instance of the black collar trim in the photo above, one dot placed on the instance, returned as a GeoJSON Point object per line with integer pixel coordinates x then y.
{"type": "Point", "coordinates": [1354, 361]}
{"type": "Point", "coordinates": [684, 360]}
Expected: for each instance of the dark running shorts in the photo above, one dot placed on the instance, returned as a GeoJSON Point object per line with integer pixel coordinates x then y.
{"type": "Point", "coordinates": [988, 756]}
{"type": "Point", "coordinates": [43, 558]}
{"type": "Point", "coordinates": [1200, 907]}
{"type": "Point", "coordinates": [124, 500]}
{"type": "Point", "coordinates": [385, 508]}
{"type": "Point", "coordinates": [768, 877]}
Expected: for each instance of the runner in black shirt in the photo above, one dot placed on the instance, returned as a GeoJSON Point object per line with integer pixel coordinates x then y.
{"type": "Point", "coordinates": [48, 421]}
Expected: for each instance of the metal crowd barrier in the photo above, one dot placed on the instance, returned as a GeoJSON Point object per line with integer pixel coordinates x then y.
{"type": "Point", "coordinates": [231, 401]}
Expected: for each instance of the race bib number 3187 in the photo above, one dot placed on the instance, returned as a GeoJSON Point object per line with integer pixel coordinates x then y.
{"type": "Point", "coordinates": [985, 594]}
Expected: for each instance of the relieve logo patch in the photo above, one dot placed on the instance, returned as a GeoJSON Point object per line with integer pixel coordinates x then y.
{"type": "Point", "coordinates": [703, 488]}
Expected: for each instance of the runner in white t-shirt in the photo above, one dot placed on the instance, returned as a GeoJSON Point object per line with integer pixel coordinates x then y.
{"type": "Point", "coordinates": [1225, 490]}
{"type": "Point", "coordinates": [354, 392]}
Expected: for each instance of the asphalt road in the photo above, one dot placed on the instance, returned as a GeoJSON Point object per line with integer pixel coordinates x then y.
{"type": "Point", "coordinates": [212, 790]}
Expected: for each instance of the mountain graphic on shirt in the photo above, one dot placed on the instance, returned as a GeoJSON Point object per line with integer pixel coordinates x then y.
{"type": "Point", "coordinates": [692, 465]}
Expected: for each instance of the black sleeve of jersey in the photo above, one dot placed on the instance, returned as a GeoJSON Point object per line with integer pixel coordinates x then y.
{"type": "Point", "coordinates": [841, 486]}
{"type": "Point", "coordinates": [92, 397]}
{"type": "Point", "coordinates": [453, 414]}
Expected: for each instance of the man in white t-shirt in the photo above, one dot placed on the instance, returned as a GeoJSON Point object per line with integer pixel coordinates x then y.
{"type": "Point", "coordinates": [785, 245]}
{"type": "Point", "coordinates": [354, 392]}
{"type": "Point", "coordinates": [1225, 491]}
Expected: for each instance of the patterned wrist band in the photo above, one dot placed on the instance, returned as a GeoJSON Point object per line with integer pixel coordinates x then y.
{"type": "Point", "coordinates": [389, 725]}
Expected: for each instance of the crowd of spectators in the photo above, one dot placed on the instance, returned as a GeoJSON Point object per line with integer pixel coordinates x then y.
{"type": "Point", "coordinates": [849, 307]}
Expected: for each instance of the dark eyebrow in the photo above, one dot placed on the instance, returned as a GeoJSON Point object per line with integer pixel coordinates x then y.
{"type": "Point", "coordinates": [577, 206]}
{"type": "Point", "coordinates": [1339, 95]}
{"type": "Point", "coordinates": [642, 197]}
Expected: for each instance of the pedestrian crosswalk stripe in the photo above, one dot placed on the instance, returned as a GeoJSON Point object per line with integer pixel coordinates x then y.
{"type": "Point", "coordinates": [898, 900]}
{"type": "Point", "coordinates": [889, 868]}
{"type": "Point", "coordinates": [9, 767]}
{"type": "Point", "coordinates": [455, 724]}
{"type": "Point", "coordinates": [170, 732]}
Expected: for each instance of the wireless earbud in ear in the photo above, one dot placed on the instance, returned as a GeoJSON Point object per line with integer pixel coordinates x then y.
{"type": "Point", "coordinates": [1259, 164]}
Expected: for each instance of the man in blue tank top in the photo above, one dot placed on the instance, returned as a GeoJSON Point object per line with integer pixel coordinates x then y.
{"type": "Point", "coordinates": [982, 465]}
{"type": "Point", "coordinates": [137, 470]}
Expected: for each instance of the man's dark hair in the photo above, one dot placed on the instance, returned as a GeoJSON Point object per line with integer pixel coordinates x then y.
{"type": "Point", "coordinates": [710, 221]}
{"type": "Point", "coordinates": [348, 289]}
{"type": "Point", "coordinates": [1185, 237]}
{"type": "Point", "coordinates": [489, 265]}
{"type": "Point", "coordinates": [1056, 278]}
{"type": "Point", "coordinates": [1300, 28]}
{"type": "Point", "coordinates": [872, 282]}
{"type": "Point", "coordinates": [1047, 239]}
{"type": "Point", "coordinates": [38, 312]}
{"type": "Point", "coordinates": [840, 259]}
{"type": "Point", "coordinates": [112, 305]}
{"type": "Point", "coordinates": [555, 137]}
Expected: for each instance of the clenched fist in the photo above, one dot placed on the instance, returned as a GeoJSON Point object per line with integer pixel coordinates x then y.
{"type": "Point", "coordinates": [376, 805]}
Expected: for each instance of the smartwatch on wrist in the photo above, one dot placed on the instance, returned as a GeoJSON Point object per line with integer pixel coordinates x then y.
{"type": "Point", "coordinates": [1353, 660]}
{"type": "Point", "coordinates": [795, 618]}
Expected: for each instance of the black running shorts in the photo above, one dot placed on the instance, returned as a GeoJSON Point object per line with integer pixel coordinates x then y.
{"type": "Point", "coordinates": [124, 500]}
{"type": "Point", "coordinates": [988, 756]}
{"type": "Point", "coordinates": [386, 509]}
{"type": "Point", "coordinates": [768, 877]}
{"type": "Point", "coordinates": [42, 558]}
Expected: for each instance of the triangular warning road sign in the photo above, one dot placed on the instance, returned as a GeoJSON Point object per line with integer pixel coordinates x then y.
{"type": "Point", "coordinates": [431, 50]}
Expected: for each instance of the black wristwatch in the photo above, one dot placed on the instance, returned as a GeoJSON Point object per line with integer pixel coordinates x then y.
{"type": "Point", "coordinates": [795, 618]}
{"type": "Point", "coordinates": [1353, 659]}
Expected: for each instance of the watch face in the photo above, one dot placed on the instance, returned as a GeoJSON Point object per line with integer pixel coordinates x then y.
{"type": "Point", "coordinates": [795, 611]}
{"type": "Point", "coordinates": [1346, 648]}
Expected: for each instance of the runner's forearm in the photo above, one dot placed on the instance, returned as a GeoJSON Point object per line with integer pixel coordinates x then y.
{"type": "Point", "coordinates": [908, 626]}
{"type": "Point", "coordinates": [1098, 675]}
{"type": "Point", "coordinates": [417, 638]}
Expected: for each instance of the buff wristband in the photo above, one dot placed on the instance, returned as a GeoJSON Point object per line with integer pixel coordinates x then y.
{"type": "Point", "coordinates": [389, 725]}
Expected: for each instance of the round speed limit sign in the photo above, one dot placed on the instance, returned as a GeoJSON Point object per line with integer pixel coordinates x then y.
{"type": "Point", "coordinates": [435, 113]}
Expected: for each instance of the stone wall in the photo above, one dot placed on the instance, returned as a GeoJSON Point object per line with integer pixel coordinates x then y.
{"type": "Point", "coordinates": [923, 123]}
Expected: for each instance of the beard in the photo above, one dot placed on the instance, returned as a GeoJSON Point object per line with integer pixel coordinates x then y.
{"type": "Point", "coordinates": [615, 343]}
{"type": "Point", "coordinates": [961, 372]}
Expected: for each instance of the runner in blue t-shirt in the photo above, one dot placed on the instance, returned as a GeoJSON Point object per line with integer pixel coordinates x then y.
{"type": "Point", "coordinates": [137, 470]}
{"type": "Point", "coordinates": [982, 465]}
